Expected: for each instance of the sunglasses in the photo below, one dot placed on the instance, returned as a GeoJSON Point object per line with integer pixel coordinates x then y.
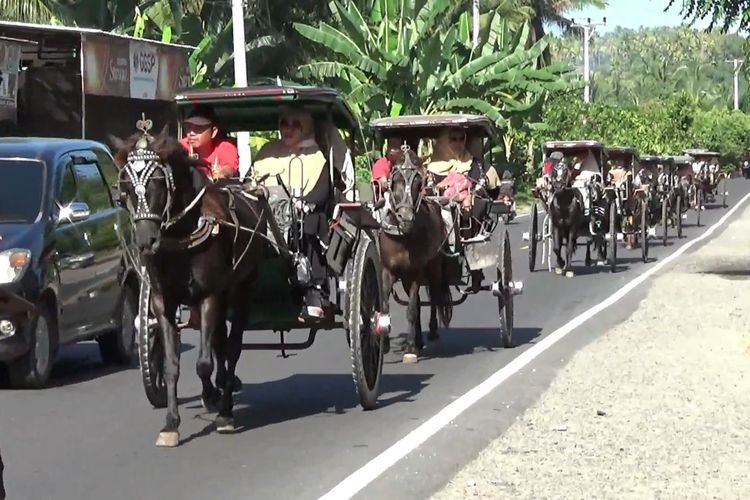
{"type": "Point", "coordinates": [285, 123]}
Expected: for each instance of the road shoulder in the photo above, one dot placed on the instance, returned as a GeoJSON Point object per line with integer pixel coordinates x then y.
{"type": "Point", "coordinates": [656, 406]}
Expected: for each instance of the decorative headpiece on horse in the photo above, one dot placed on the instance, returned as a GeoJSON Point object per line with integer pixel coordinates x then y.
{"type": "Point", "coordinates": [142, 162]}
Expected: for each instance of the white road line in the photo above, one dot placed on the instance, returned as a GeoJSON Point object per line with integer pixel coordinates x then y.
{"type": "Point", "coordinates": [378, 465]}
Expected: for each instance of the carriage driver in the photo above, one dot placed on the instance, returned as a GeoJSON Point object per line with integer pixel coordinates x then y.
{"type": "Point", "coordinates": [202, 140]}
{"type": "Point", "coordinates": [221, 161]}
{"type": "Point", "coordinates": [296, 162]}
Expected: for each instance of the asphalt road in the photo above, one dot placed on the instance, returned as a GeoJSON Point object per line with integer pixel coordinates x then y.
{"type": "Point", "coordinates": [301, 432]}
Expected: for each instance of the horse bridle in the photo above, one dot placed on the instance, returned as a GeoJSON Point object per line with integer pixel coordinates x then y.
{"type": "Point", "coordinates": [408, 171]}
{"type": "Point", "coordinates": [141, 166]}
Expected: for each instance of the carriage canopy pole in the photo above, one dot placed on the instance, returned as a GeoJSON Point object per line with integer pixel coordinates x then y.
{"type": "Point", "coordinates": [240, 77]}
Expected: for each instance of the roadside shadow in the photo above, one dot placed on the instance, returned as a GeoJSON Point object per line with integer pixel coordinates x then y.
{"type": "Point", "coordinates": [303, 395]}
{"type": "Point", "coordinates": [81, 362]}
{"type": "Point", "coordinates": [455, 342]}
{"type": "Point", "coordinates": [734, 274]}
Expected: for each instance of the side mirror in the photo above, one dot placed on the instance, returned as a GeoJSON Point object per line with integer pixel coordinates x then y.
{"type": "Point", "coordinates": [74, 212]}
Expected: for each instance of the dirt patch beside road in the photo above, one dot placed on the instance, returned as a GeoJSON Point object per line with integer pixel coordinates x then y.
{"type": "Point", "coordinates": [657, 407]}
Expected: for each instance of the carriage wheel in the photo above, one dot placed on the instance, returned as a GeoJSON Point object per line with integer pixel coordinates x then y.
{"type": "Point", "coordinates": [363, 304]}
{"type": "Point", "coordinates": [644, 230]}
{"type": "Point", "coordinates": [699, 202]}
{"type": "Point", "coordinates": [533, 238]}
{"type": "Point", "coordinates": [150, 352]}
{"type": "Point", "coordinates": [664, 221]}
{"type": "Point", "coordinates": [505, 299]}
{"type": "Point", "coordinates": [612, 248]}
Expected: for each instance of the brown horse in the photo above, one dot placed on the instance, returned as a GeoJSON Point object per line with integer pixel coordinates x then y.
{"type": "Point", "coordinates": [411, 244]}
{"type": "Point", "coordinates": [197, 241]}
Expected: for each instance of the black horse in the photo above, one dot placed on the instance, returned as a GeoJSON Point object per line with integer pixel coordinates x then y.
{"type": "Point", "coordinates": [566, 211]}
{"type": "Point", "coordinates": [411, 242]}
{"type": "Point", "coordinates": [200, 243]}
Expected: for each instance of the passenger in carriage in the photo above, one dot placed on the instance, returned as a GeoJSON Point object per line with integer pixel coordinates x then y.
{"type": "Point", "coordinates": [453, 167]}
{"type": "Point", "coordinates": [297, 163]}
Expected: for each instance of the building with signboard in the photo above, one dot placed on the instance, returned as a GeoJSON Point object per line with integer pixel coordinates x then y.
{"type": "Point", "coordinates": [60, 81]}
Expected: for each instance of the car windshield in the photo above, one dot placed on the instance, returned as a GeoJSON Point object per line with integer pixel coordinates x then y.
{"type": "Point", "coordinates": [21, 190]}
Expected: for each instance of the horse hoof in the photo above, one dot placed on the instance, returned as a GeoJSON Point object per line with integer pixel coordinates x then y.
{"type": "Point", "coordinates": [410, 359]}
{"type": "Point", "coordinates": [225, 425]}
{"type": "Point", "coordinates": [569, 274]}
{"type": "Point", "coordinates": [210, 405]}
{"type": "Point", "coordinates": [168, 439]}
{"type": "Point", "coordinates": [558, 271]}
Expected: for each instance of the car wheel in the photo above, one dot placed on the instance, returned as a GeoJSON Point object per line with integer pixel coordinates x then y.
{"type": "Point", "coordinates": [32, 370]}
{"type": "Point", "coordinates": [118, 347]}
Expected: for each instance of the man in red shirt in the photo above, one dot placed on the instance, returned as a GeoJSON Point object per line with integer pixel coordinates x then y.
{"type": "Point", "coordinates": [381, 169]}
{"type": "Point", "coordinates": [202, 140]}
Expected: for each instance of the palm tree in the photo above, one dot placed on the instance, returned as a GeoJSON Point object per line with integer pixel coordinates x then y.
{"type": "Point", "coordinates": [552, 11]}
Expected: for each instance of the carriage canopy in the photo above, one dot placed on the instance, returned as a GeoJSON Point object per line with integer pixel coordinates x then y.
{"type": "Point", "coordinates": [623, 156]}
{"type": "Point", "coordinates": [258, 108]}
{"type": "Point", "coordinates": [593, 153]}
{"type": "Point", "coordinates": [704, 155]}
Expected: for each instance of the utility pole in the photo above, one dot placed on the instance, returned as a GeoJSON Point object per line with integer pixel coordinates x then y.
{"type": "Point", "coordinates": [588, 32]}
{"type": "Point", "coordinates": [737, 65]}
{"type": "Point", "coordinates": [240, 77]}
{"type": "Point", "coordinates": [475, 24]}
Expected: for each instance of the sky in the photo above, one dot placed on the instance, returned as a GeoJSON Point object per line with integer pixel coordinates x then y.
{"type": "Point", "coordinates": [634, 14]}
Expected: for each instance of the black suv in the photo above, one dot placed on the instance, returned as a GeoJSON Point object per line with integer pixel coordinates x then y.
{"type": "Point", "coordinates": [63, 272]}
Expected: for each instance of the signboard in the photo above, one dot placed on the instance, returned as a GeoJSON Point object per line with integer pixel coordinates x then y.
{"type": "Point", "coordinates": [10, 58]}
{"type": "Point", "coordinates": [133, 68]}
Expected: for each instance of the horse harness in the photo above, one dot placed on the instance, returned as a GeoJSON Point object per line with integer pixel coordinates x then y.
{"type": "Point", "coordinates": [142, 163]}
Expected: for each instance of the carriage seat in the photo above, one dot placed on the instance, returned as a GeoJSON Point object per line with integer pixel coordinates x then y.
{"type": "Point", "coordinates": [583, 179]}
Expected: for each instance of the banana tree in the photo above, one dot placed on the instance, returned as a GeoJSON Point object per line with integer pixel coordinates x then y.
{"type": "Point", "coordinates": [420, 59]}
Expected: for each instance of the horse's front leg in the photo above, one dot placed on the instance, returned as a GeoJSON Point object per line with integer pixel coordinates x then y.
{"type": "Point", "coordinates": [557, 236]}
{"type": "Point", "coordinates": [232, 351]}
{"type": "Point", "coordinates": [211, 315]}
{"type": "Point", "coordinates": [165, 316]}
{"type": "Point", "coordinates": [414, 336]}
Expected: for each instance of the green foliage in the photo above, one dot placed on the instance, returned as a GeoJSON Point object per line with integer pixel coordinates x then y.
{"type": "Point", "coordinates": [649, 65]}
{"type": "Point", "coordinates": [665, 128]}
{"type": "Point", "coordinates": [722, 13]}
{"type": "Point", "coordinates": [415, 57]}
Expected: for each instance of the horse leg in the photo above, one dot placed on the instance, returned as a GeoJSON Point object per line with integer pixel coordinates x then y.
{"type": "Point", "coordinates": [210, 317]}
{"type": "Point", "coordinates": [165, 315]}
{"type": "Point", "coordinates": [438, 297]}
{"type": "Point", "coordinates": [570, 250]}
{"type": "Point", "coordinates": [240, 312]}
{"type": "Point", "coordinates": [412, 316]}
{"type": "Point", "coordinates": [386, 288]}
{"type": "Point", "coordinates": [557, 248]}
{"type": "Point", "coordinates": [588, 253]}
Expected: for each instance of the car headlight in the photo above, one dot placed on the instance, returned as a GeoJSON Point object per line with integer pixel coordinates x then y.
{"type": "Point", "coordinates": [13, 263]}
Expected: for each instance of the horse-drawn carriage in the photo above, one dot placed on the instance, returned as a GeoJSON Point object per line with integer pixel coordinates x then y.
{"type": "Point", "coordinates": [664, 201]}
{"type": "Point", "coordinates": [282, 273]}
{"type": "Point", "coordinates": [688, 187]}
{"type": "Point", "coordinates": [711, 179]}
{"type": "Point", "coordinates": [467, 247]}
{"type": "Point", "coordinates": [631, 197]}
{"type": "Point", "coordinates": [577, 201]}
